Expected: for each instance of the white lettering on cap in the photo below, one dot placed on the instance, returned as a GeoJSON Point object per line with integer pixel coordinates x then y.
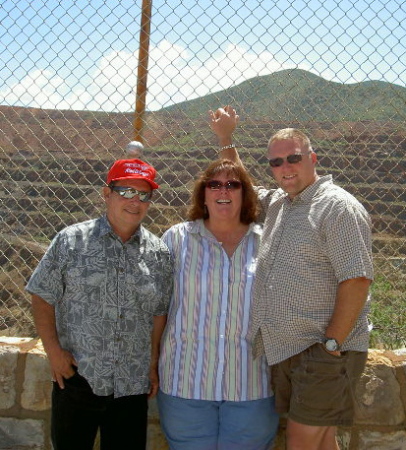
{"type": "Point", "coordinates": [137, 165]}
{"type": "Point", "coordinates": [137, 171]}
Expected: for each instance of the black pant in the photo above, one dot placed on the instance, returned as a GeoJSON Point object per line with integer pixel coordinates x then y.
{"type": "Point", "coordinates": [77, 414]}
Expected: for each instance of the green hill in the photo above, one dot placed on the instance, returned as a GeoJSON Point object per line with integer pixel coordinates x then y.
{"type": "Point", "coordinates": [297, 95]}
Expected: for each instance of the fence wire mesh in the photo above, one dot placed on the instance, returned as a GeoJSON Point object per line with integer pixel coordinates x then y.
{"type": "Point", "coordinates": [68, 82]}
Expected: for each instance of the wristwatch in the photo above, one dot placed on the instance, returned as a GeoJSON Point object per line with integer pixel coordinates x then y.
{"type": "Point", "coordinates": [331, 345]}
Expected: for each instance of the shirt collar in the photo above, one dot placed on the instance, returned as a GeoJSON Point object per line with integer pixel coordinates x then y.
{"type": "Point", "coordinates": [105, 228]}
{"type": "Point", "coordinates": [197, 227]}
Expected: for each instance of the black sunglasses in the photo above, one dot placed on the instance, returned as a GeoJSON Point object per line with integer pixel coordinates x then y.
{"type": "Point", "coordinates": [216, 185]}
{"type": "Point", "coordinates": [129, 192]}
{"type": "Point", "coordinates": [291, 159]}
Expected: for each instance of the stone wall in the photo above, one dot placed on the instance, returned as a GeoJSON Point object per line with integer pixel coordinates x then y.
{"type": "Point", "coordinates": [25, 387]}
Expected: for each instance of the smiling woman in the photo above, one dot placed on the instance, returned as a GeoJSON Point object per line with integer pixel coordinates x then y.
{"type": "Point", "coordinates": [210, 179]}
{"type": "Point", "coordinates": [214, 267]}
{"type": "Point", "coordinates": [223, 200]}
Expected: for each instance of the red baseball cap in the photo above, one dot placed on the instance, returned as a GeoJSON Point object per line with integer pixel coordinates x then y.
{"type": "Point", "coordinates": [132, 169]}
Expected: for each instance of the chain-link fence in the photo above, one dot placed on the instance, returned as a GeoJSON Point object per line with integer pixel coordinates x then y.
{"type": "Point", "coordinates": [68, 93]}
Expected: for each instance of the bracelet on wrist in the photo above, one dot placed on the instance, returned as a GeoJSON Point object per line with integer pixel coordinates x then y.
{"type": "Point", "coordinates": [226, 147]}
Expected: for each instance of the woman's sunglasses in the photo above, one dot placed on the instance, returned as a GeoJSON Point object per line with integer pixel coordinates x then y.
{"type": "Point", "coordinates": [216, 185]}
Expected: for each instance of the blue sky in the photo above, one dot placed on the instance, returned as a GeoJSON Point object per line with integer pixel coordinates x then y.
{"type": "Point", "coordinates": [84, 54]}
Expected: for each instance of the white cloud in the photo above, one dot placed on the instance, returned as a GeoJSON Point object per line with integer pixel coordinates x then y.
{"type": "Point", "coordinates": [182, 79]}
{"type": "Point", "coordinates": [35, 89]}
{"type": "Point", "coordinates": [174, 75]}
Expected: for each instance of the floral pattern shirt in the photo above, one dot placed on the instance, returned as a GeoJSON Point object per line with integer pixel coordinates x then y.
{"type": "Point", "coordinates": [105, 294]}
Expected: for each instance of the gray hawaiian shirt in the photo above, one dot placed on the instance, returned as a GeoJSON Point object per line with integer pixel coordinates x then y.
{"type": "Point", "coordinates": [105, 293]}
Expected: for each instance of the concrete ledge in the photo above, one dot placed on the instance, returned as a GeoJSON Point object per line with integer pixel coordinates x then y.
{"type": "Point", "coordinates": [25, 391]}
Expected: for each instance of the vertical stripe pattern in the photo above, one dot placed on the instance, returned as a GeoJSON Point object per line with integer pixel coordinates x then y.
{"type": "Point", "coordinates": [205, 354]}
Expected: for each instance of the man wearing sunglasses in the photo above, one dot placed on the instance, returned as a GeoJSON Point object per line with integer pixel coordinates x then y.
{"type": "Point", "coordinates": [100, 296]}
{"type": "Point", "coordinates": [311, 289]}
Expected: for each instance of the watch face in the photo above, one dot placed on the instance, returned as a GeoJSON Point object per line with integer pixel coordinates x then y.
{"type": "Point", "coordinates": [331, 345]}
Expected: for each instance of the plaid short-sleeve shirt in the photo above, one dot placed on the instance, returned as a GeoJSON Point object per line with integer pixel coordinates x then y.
{"type": "Point", "coordinates": [309, 245]}
{"type": "Point", "coordinates": [105, 293]}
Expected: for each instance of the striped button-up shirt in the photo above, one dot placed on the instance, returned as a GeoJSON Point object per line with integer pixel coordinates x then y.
{"type": "Point", "coordinates": [205, 354]}
{"type": "Point", "coordinates": [105, 293]}
{"type": "Point", "coordinates": [309, 245]}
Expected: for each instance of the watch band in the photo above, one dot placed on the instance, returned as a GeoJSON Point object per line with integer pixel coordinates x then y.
{"type": "Point", "coordinates": [331, 345]}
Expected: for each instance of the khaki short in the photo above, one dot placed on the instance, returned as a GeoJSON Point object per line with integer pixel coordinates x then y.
{"type": "Point", "coordinates": [317, 388]}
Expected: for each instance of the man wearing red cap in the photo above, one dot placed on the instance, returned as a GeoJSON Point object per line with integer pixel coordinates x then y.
{"type": "Point", "coordinates": [100, 296]}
